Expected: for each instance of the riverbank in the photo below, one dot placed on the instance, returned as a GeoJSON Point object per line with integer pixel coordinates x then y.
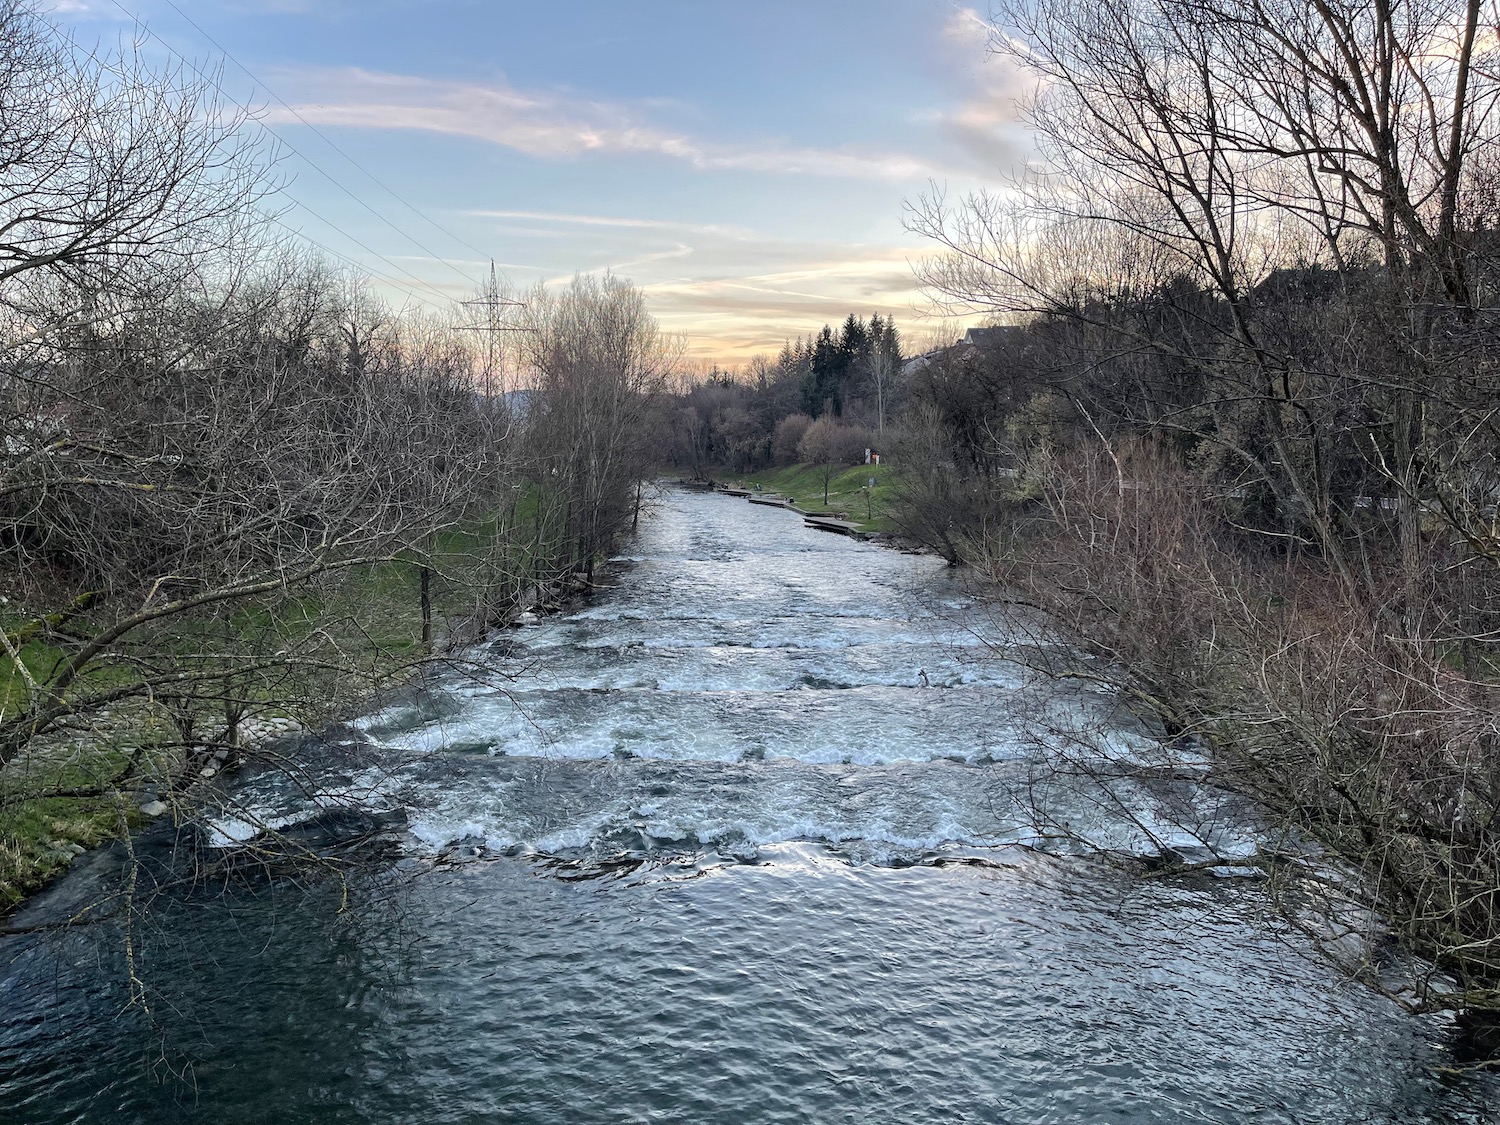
{"type": "Point", "coordinates": [850, 493]}
{"type": "Point", "coordinates": [1352, 736]}
{"type": "Point", "coordinates": [140, 758]}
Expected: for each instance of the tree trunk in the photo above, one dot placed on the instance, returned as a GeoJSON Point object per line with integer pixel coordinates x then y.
{"type": "Point", "coordinates": [426, 600]}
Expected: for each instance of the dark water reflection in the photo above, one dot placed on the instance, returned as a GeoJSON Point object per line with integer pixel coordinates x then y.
{"type": "Point", "coordinates": [796, 988]}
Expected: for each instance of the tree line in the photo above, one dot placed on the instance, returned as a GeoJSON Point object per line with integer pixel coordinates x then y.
{"type": "Point", "coordinates": [824, 399]}
{"type": "Point", "coordinates": [1240, 436]}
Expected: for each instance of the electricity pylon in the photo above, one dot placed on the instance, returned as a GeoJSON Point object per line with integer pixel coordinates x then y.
{"type": "Point", "coordinates": [492, 304]}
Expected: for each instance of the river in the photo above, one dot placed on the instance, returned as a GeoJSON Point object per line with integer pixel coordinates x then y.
{"type": "Point", "coordinates": [750, 838]}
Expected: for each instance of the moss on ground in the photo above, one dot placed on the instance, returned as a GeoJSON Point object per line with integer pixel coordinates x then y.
{"type": "Point", "coordinates": [40, 838]}
{"type": "Point", "coordinates": [41, 835]}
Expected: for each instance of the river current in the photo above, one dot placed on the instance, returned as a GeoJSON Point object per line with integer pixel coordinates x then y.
{"type": "Point", "coordinates": [758, 836]}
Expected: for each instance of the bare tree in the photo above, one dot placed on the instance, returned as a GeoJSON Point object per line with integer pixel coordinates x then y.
{"type": "Point", "coordinates": [787, 437]}
{"type": "Point", "coordinates": [1254, 469]}
{"type": "Point", "coordinates": [108, 161]}
{"type": "Point", "coordinates": [250, 459]}
{"type": "Point", "coordinates": [1222, 142]}
{"type": "Point", "coordinates": [883, 367]}
{"type": "Point", "coordinates": [831, 446]}
{"type": "Point", "coordinates": [600, 363]}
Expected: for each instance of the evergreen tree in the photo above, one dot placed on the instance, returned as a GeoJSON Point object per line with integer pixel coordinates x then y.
{"type": "Point", "coordinates": [822, 386]}
{"type": "Point", "coordinates": [853, 336]}
{"type": "Point", "coordinates": [890, 340]}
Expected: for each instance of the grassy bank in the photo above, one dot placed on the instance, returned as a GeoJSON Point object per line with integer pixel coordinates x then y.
{"type": "Point", "coordinates": [324, 642]}
{"type": "Point", "coordinates": [849, 491]}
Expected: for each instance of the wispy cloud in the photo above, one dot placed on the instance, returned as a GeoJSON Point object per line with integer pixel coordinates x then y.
{"type": "Point", "coordinates": [731, 310]}
{"type": "Point", "coordinates": [84, 9]}
{"type": "Point", "coordinates": [984, 124]}
{"type": "Point", "coordinates": [615, 222]}
{"type": "Point", "coordinates": [966, 26]}
{"type": "Point", "coordinates": [731, 291]}
{"type": "Point", "coordinates": [559, 125]}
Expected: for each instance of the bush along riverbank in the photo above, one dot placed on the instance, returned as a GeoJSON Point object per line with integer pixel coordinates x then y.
{"type": "Point", "coordinates": [236, 487]}
{"type": "Point", "coordinates": [154, 635]}
{"type": "Point", "coordinates": [1238, 437]}
{"type": "Point", "coordinates": [1371, 750]}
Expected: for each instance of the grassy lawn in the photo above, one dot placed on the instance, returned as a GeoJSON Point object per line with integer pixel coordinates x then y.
{"type": "Point", "coordinates": [849, 493]}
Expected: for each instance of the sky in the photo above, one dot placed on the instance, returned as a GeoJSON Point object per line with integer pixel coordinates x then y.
{"type": "Point", "coordinates": [747, 164]}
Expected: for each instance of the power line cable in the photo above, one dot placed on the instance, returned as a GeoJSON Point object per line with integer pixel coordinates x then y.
{"type": "Point", "coordinates": [315, 167]}
{"type": "Point", "coordinates": [332, 143]}
{"type": "Point", "coordinates": [363, 267]}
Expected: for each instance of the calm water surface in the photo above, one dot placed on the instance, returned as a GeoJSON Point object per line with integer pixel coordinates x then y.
{"type": "Point", "coordinates": [737, 842]}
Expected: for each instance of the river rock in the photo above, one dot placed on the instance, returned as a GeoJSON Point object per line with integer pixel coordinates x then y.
{"type": "Point", "coordinates": [154, 809]}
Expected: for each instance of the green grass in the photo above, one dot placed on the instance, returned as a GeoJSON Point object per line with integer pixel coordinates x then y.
{"type": "Point", "coordinates": [371, 617]}
{"type": "Point", "coordinates": [38, 658]}
{"type": "Point", "coordinates": [848, 491]}
{"type": "Point", "coordinates": [36, 831]}
{"type": "Point", "coordinates": [35, 835]}
{"type": "Point", "coordinates": [362, 627]}
{"type": "Point", "coordinates": [365, 619]}
{"type": "Point", "coordinates": [367, 616]}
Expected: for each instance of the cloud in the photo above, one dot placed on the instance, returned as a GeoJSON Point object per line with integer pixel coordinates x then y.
{"type": "Point", "coordinates": [968, 29]}
{"type": "Point", "coordinates": [614, 222]}
{"type": "Point", "coordinates": [985, 124]}
{"type": "Point", "coordinates": [282, 7]}
{"type": "Point", "coordinates": [731, 291]}
{"type": "Point", "coordinates": [86, 9]}
{"type": "Point", "coordinates": [557, 125]}
{"type": "Point", "coordinates": [730, 312]}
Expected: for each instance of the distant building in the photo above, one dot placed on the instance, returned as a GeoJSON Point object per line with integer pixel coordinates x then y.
{"type": "Point", "coordinates": [989, 337]}
{"type": "Point", "coordinates": [974, 340]}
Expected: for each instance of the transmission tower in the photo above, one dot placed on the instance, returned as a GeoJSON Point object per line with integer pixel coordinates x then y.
{"type": "Point", "coordinates": [493, 305]}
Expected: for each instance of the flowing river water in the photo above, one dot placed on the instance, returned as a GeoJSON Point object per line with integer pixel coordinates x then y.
{"type": "Point", "coordinates": [751, 838]}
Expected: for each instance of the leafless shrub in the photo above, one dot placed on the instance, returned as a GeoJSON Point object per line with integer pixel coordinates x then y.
{"type": "Point", "coordinates": [1382, 752]}
{"type": "Point", "coordinates": [786, 439]}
